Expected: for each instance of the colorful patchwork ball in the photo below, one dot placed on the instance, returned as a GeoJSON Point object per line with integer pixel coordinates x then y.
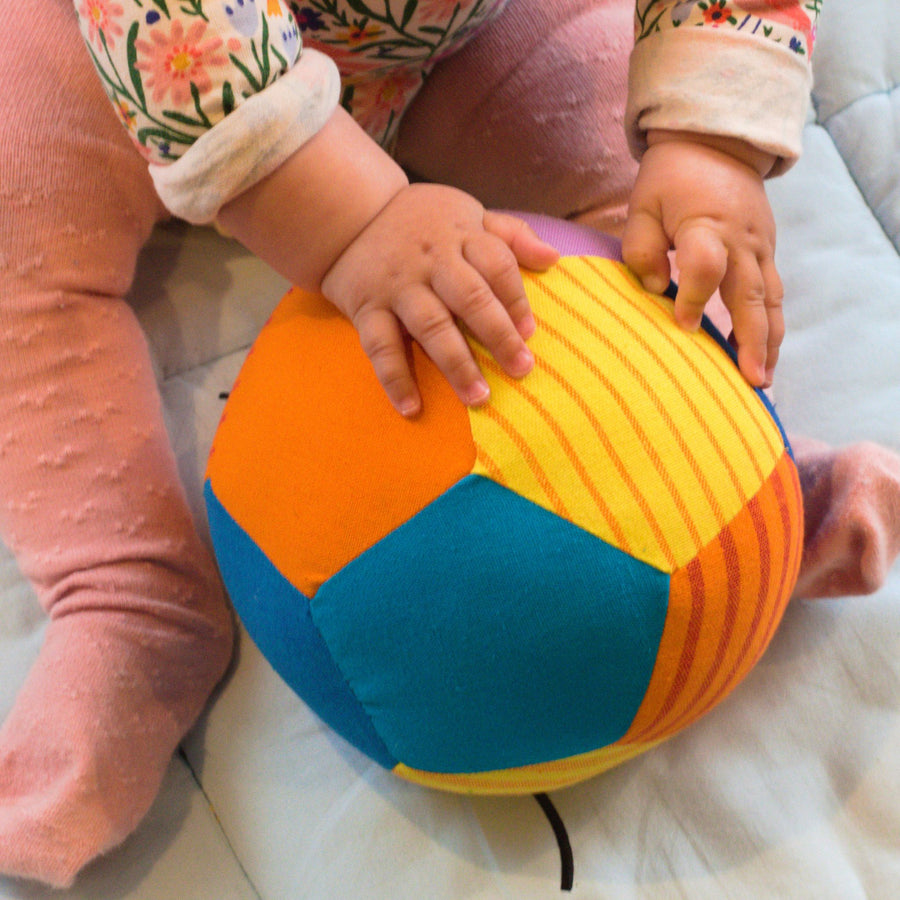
{"type": "Point", "coordinates": [513, 598]}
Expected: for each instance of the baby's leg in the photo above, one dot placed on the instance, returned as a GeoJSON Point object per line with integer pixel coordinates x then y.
{"type": "Point", "coordinates": [851, 499]}
{"type": "Point", "coordinates": [139, 631]}
{"type": "Point", "coordinates": [529, 114]}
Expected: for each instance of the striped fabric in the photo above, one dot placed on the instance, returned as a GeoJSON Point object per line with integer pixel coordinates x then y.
{"type": "Point", "coordinates": [724, 606]}
{"type": "Point", "coordinates": [642, 434]}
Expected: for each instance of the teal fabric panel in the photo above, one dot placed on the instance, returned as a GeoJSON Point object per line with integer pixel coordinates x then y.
{"type": "Point", "coordinates": [276, 615]}
{"type": "Point", "coordinates": [487, 633]}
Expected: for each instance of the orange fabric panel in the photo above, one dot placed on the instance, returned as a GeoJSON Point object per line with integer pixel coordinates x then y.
{"type": "Point", "coordinates": [724, 607]}
{"type": "Point", "coordinates": [333, 468]}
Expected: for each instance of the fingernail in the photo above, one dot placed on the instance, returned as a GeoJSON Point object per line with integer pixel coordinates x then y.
{"type": "Point", "coordinates": [527, 327]}
{"type": "Point", "coordinates": [656, 284]}
{"type": "Point", "coordinates": [409, 407]}
{"type": "Point", "coordinates": [523, 363]}
{"type": "Point", "coordinates": [478, 393]}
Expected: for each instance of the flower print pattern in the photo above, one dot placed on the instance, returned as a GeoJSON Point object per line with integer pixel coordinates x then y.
{"type": "Point", "coordinates": [378, 103]}
{"type": "Point", "coordinates": [126, 114]}
{"type": "Point", "coordinates": [788, 22]}
{"type": "Point", "coordinates": [243, 15]}
{"type": "Point", "coordinates": [102, 20]}
{"type": "Point", "coordinates": [717, 13]}
{"type": "Point", "coordinates": [307, 19]}
{"type": "Point", "coordinates": [174, 68]}
{"type": "Point", "coordinates": [179, 61]}
{"type": "Point", "coordinates": [384, 50]}
{"type": "Point", "coordinates": [290, 38]}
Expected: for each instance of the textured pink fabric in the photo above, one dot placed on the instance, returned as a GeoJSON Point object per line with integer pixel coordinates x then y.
{"type": "Point", "coordinates": [851, 500]}
{"type": "Point", "coordinates": [530, 113]}
{"type": "Point", "coordinates": [91, 503]}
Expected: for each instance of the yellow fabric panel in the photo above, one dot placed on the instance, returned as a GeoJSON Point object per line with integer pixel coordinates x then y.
{"type": "Point", "coordinates": [538, 778]}
{"type": "Point", "coordinates": [643, 434]}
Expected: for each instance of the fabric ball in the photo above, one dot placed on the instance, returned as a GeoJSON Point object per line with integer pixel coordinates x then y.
{"type": "Point", "coordinates": [513, 598]}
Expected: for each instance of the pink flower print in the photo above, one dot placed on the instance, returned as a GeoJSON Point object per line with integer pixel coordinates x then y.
{"type": "Point", "coordinates": [349, 62]}
{"type": "Point", "coordinates": [177, 60]}
{"type": "Point", "coordinates": [101, 16]}
{"type": "Point", "coordinates": [379, 102]}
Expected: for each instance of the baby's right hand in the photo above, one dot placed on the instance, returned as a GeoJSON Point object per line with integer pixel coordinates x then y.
{"type": "Point", "coordinates": [434, 254]}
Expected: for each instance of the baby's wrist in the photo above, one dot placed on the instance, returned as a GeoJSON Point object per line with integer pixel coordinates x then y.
{"type": "Point", "coordinates": [761, 161]}
{"type": "Point", "coordinates": [302, 217]}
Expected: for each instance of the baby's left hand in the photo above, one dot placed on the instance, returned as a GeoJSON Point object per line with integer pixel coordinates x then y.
{"type": "Point", "coordinates": [704, 197]}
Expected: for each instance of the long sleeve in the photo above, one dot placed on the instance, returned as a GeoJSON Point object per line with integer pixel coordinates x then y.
{"type": "Point", "coordinates": [738, 68]}
{"type": "Point", "coordinates": [215, 94]}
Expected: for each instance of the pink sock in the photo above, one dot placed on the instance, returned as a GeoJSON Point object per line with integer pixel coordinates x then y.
{"type": "Point", "coordinates": [851, 500]}
{"type": "Point", "coordinates": [91, 503]}
{"type": "Point", "coordinates": [529, 114]}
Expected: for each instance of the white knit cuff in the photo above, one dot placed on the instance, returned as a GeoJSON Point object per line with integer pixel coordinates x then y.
{"type": "Point", "coordinates": [251, 142]}
{"type": "Point", "coordinates": [704, 81]}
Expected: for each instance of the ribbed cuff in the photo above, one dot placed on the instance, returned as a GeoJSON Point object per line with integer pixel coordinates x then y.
{"type": "Point", "coordinates": [251, 142]}
{"type": "Point", "coordinates": [712, 82]}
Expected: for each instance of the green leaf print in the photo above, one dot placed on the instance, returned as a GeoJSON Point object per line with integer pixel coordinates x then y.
{"type": "Point", "coordinates": [162, 7]}
{"type": "Point", "coordinates": [359, 7]}
{"type": "Point", "coordinates": [133, 72]}
{"type": "Point", "coordinates": [227, 98]}
{"type": "Point", "coordinates": [408, 12]}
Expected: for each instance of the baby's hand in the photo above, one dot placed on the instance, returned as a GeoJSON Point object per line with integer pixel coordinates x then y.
{"type": "Point", "coordinates": [432, 254]}
{"type": "Point", "coordinates": [705, 197]}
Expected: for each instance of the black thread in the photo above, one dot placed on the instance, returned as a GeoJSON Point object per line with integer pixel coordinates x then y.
{"type": "Point", "coordinates": [567, 860]}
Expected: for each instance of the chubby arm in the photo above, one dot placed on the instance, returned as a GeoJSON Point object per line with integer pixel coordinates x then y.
{"type": "Point", "coordinates": [718, 95]}
{"type": "Point", "coordinates": [240, 126]}
{"type": "Point", "coordinates": [398, 259]}
{"type": "Point", "coordinates": [215, 94]}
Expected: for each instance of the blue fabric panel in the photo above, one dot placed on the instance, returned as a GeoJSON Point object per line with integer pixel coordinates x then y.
{"type": "Point", "coordinates": [276, 615]}
{"type": "Point", "coordinates": [487, 633]}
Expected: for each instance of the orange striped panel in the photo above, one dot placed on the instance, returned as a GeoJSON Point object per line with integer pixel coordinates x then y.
{"type": "Point", "coordinates": [724, 607]}
{"type": "Point", "coordinates": [549, 776]}
{"type": "Point", "coordinates": [631, 428]}
{"type": "Point", "coordinates": [311, 459]}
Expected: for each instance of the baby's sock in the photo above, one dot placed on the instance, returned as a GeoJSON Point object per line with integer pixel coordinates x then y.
{"type": "Point", "coordinates": [851, 500]}
{"type": "Point", "coordinates": [529, 114]}
{"type": "Point", "coordinates": [90, 500]}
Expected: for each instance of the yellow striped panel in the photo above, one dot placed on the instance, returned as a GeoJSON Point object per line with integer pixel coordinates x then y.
{"type": "Point", "coordinates": [541, 777]}
{"type": "Point", "coordinates": [631, 428]}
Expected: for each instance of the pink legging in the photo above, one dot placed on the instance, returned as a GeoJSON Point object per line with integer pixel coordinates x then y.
{"type": "Point", "coordinates": [528, 115]}
{"type": "Point", "coordinates": [91, 502]}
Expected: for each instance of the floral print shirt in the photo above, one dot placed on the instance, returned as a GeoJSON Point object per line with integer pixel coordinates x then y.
{"type": "Point", "coordinates": [248, 81]}
{"type": "Point", "coordinates": [739, 68]}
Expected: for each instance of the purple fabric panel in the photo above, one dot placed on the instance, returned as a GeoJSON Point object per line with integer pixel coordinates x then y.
{"type": "Point", "coordinates": [570, 238]}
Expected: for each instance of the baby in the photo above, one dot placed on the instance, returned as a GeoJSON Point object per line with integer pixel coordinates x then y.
{"type": "Point", "coordinates": [299, 130]}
